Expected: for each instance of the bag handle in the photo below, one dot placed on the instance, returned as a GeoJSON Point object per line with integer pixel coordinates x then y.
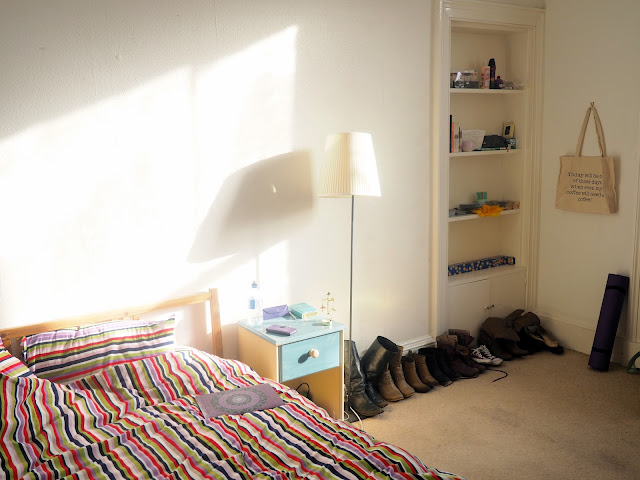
{"type": "Point", "coordinates": [599, 131]}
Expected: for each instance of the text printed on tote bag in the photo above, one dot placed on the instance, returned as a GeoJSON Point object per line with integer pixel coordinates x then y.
{"type": "Point", "coordinates": [585, 185]}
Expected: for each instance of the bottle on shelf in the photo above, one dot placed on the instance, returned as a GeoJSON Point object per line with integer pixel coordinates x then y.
{"type": "Point", "coordinates": [254, 312]}
{"type": "Point", "coordinates": [492, 73]}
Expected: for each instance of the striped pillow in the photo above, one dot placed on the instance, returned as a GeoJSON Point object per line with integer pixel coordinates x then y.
{"type": "Point", "coordinates": [11, 366]}
{"type": "Point", "coordinates": [69, 354]}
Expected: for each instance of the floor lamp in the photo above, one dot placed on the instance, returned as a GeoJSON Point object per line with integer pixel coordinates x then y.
{"type": "Point", "coordinates": [349, 170]}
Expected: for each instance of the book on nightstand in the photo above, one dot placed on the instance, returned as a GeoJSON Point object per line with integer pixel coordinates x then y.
{"type": "Point", "coordinates": [303, 310]}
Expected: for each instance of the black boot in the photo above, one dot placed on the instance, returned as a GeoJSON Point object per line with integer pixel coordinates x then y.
{"type": "Point", "coordinates": [357, 399]}
{"type": "Point", "coordinates": [433, 366]}
{"type": "Point", "coordinates": [445, 366]}
{"type": "Point", "coordinates": [375, 361]}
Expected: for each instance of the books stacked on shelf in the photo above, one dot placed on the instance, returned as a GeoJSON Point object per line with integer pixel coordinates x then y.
{"type": "Point", "coordinates": [455, 136]}
{"type": "Point", "coordinates": [303, 310]}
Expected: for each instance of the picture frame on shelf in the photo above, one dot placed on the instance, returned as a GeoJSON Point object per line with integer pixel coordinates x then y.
{"type": "Point", "coordinates": [508, 129]}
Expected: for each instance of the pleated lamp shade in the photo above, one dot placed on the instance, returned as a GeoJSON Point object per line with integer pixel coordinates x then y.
{"type": "Point", "coordinates": [349, 166]}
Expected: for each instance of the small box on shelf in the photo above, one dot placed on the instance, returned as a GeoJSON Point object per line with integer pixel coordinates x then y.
{"type": "Point", "coordinates": [481, 264]}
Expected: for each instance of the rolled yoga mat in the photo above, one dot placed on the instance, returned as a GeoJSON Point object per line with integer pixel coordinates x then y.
{"type": "Point", "coordinates": [614, 293]}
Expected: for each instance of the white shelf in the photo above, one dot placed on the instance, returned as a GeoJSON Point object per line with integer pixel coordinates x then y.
{"type": "Point", "coordinates": [470, 34]}
{"type": "Point", "coordinates": [473, 216]}
{"type": "Point", "coordinates": [485, 91]}
{"type": "Point", "coordinates": [482, 153]}
{"type": "Point", "coordinates": [484, 274]}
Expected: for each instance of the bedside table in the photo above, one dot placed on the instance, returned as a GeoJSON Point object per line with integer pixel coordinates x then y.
{"type": "Point", "coordinates": [313, 354]}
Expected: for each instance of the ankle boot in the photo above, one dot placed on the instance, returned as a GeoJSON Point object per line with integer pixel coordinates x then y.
{"type": "Point", "coordinates": [357, 399]}
{"type": "Point", "coordinates": [463, 348]}
{"type": "Point", "coordinates": [467, 360]}
{"type": "Point", "coordinates": [423, 370]}
{"type": "Point", "coordinates": [449, 345]}
{"type": "Point", "coordinates": [444, 359]}
{"type": "Point", "coordinates": [431, 360]}
{"type": "Point", "coordinates": [397, 373]}
{"type": "Point", "coordinates": [445, 365]}
{"type": "Point", "coordinates": [374, 362]}
{"type": "Point", "coordinates": [457, 364]}
{"type": "Point", "coordinates": [411, 375]}
{"type": "Point", "coordinates": [388, 389]}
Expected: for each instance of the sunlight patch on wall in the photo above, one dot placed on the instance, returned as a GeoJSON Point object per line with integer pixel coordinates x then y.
{"type": "Point", "coordinates": [100, 207]}
{"type": "Point", "coordinates": [243, 108]}
{"type": "Point", "coordinates": [243, 114]}
{"type": "Point", "coordinates": [91, 198]}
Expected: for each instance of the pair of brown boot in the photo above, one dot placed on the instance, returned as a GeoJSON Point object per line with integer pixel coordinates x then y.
{"type": "Point", "coordinates": [402, 379]}
{"type": "Point", "coordinates": [457, 354]}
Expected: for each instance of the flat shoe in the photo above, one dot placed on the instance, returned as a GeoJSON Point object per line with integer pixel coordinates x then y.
{"type": "Point", "coordinates": [549, 340]}
{"type": "Point", "coordinates": [538, 332]}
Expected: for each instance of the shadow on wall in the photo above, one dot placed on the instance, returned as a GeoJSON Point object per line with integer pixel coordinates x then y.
{"type": "Point", "coordinates": [256, 207]}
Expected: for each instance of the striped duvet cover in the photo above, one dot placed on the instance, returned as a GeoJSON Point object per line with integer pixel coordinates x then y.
{"type": "Point", "coordinates": [141, 421]}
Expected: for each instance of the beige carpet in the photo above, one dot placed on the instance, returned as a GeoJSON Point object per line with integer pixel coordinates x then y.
{"type": "Point", "coordinates": [553, 417]}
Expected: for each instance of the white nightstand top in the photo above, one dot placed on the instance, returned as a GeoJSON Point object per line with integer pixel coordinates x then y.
{"type": "Point", "coordinates": [307, 328]}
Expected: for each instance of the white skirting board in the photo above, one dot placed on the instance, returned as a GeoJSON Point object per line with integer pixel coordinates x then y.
{"type": "Point", "coordinates": [414, 344]}
{"type": "Point", "coordinates": [580, 339]}
{"type": "Point", "coordinates": [419, 342]}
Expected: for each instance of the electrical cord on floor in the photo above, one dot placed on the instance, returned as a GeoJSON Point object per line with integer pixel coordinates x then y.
{"type": "Point", "coordinates": [306, 394]}
{"type": "Point", "coordinates": [347, 414]}
{"type": "Point", "coordinates": [501, 371]}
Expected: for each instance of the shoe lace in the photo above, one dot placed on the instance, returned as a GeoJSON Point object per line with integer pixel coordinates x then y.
{"type": "Point", "coordinates": [476, 352]}
{"type": "Point", "coordinates": [485, 352]}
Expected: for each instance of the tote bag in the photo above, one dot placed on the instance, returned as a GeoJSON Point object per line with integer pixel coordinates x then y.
{"type": "Point", "coordinates": [587, 184]}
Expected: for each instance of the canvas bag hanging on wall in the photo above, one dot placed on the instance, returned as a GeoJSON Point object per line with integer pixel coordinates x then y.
{"type": "Point", "coordinates": [587, 184]}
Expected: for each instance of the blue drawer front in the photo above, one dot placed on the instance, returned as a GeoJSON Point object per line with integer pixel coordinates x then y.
{"type": "Point", "coordinates": [296, 361]}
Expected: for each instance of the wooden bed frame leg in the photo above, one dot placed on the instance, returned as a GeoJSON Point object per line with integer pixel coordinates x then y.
{"type": "Point", "coordinates": [216, 329]}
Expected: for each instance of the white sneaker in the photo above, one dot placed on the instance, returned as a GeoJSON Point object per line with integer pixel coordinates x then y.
{"type": "Point", "coordinates": [484, 351]}
{"type": "Point", "coordinates": [478, 357]}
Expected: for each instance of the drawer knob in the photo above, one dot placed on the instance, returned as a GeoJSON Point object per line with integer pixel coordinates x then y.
{"type": "Point", "coordinates": [314, 353]}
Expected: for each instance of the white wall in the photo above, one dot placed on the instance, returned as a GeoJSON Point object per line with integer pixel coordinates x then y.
{"type": "Point", "coordinates": [151, 149]}
{"type": "Point", "coordinates": [589, 57]}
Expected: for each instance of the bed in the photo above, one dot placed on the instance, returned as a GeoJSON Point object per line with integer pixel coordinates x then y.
{"type": "Point", "coordinates": [117, 405]}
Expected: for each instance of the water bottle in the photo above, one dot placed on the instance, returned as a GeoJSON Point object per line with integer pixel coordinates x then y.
{"type": "Point", "coordinates": [254, 313]}
{"type": "Point", "coordinates": [492, 73]}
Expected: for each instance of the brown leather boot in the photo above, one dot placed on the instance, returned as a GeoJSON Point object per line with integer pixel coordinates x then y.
{"type": "Point", "coordinates": [448, 344]}
{"type": "Point", "coordinates": [464, 336]}
{"type": "Point", "coordinates": [423, 370]}
{"type": "Point", "coordinates": [463, 348]}
{"type": "Point", "coordinates": [387, 388]}
{"type": "Point", "coordinates": [395, 367]}
{"type": "Point", "coordinates": [411, 375]}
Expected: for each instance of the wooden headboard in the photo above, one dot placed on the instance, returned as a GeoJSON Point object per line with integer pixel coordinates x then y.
{"type": "Point", "coordinates": [9, 335]}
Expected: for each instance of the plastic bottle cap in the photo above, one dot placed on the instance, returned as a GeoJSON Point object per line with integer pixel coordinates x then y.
{"type": "Point", "coordinates": [254, 285]}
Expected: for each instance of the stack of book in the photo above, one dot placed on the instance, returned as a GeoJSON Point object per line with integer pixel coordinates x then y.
{"type": "Point", "coordinates": [303, 310]}
{"type": "Point", "coordinates": [455, 136]}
